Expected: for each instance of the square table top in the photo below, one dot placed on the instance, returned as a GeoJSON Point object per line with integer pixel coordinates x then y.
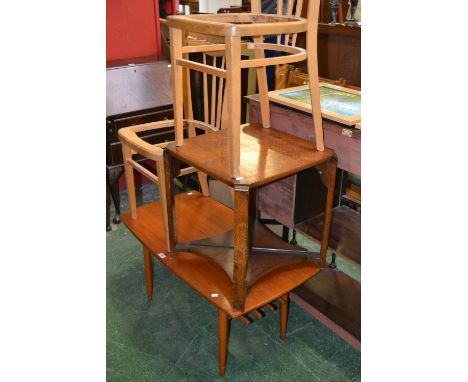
{"type": "Point", "coordinates": [266, 155]}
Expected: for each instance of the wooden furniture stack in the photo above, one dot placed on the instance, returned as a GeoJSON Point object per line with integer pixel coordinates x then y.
{"type": "Point", "coordinates": [226, 255]}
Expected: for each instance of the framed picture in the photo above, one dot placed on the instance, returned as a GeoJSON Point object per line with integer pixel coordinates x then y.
{"type": "Point", "coordinates": [338, 103]}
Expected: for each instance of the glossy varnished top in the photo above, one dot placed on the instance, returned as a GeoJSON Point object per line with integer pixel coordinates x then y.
{"type": "Point", "coordinates": [266, 155]}
{"type": "Point", "coordinates": [199, 217]}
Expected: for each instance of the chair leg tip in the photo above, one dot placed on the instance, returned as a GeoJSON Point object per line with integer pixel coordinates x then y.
{"type": "Point", "coordinates": [221, 371]}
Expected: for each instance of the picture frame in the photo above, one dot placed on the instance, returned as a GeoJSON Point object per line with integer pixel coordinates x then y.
{"type": "Point", "coordinates": [339, 104]}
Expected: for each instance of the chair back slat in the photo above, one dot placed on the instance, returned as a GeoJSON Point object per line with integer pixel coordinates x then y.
{"type": "Point", "coordinates": [212, 91]}
{"type": "Point", "coordinates": [289, 11]}
{"type": "Point", "coordinates": [205, 93]}
{"type": "Point", "coordinates": [290, 7]}
{"type": "Point", "coordinates": [220, 96]}
{"type": "Point", "coordinates": [255, 6]}
{"type": "Point", "coordinates": [279, 12]}
{"type": "Point", "coordinates": [297, 14]}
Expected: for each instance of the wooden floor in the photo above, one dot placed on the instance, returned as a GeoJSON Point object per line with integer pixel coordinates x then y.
{"type": "Point", "coordinates": [199, 217]}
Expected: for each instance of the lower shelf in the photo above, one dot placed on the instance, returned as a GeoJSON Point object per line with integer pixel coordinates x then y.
{"type": "Point", "coordinates": [335, 299]}
{"type": "Point", "coordinates": [269, 252]}
{"type": "Point", "coordinates": [199, 217]}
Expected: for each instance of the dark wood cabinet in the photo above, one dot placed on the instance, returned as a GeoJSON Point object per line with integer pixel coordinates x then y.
{"type": "Point", "coordinates": [138, 91]}
{"type": "Point", "coordinates": [114, 123]}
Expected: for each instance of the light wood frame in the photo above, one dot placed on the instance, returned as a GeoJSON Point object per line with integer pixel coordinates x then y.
{"type": "Point", "coordinates": [233, 27]}
{"type": "Point", "coordinates": [132, 144]}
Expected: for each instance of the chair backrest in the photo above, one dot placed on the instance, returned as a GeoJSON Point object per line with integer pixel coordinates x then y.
{"type": "Point", "coordinates": [295, 8]}
{"type": "Point", "coordinates": [283, 8]}
{"type": "Point", "coordinates": [232, 28]}
{"type": "Point", "coordinates": [211, 91]}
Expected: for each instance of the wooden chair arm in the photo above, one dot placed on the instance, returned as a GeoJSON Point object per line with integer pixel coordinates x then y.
{"type": "Point", "coordinates": [201, 125]}
{"type": "Point", "coordinates": [128, 136]}
{"type": "Point", "coordinates": [150, 126]}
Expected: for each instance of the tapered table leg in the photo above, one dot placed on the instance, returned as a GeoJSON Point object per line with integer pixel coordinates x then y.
{"type": "Point", "coordinates": [116, 198]}
{"type": "Point", "coordinates": [222, 340]}
{"type": "Point", "coordinates": [108, 202]}
{"type": "Point", "coordinates": [170, 206]}
{"type": "Point", "coordinates": [241, 246]}
{"type": "Point", "coordinates": [284, 308]}
{"type": "Point", "coordinates": [148, 272]}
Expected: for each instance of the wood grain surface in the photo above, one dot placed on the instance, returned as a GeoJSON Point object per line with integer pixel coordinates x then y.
{"type": "Point", "coordinates": [199, 217]}
{"type": "Point", "coordinates": [266, 155]}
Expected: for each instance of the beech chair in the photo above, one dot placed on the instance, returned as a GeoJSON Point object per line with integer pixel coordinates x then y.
{"type": "Point", "coordinates": [254, 25]}
{"type": "Point", "coordinates": [132, 144]}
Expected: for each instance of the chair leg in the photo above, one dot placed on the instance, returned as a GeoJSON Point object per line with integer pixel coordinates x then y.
{"type": "Point", "coordinates": [170, 202]}
{"type": "Point", "coordinates": [223, 331]}
{"type": "Point", "coordinates": [284, 308]}
{"type": "Point", "coordinates": [114, 190]}
{"type": "Point", "coordinates": [262, 87]}
{"type": "Point", "coordinates": [285, 234]}
{"type": "Point", "coordinates": [108, 202]}
{"type": "Point", "coordinates": [233, 80]}
{"type": "Point", "coordinates": [148, 271]}
{"type": "Point", "coordinates": [312, 70]}
{"type": "Point", "coordinates": [202, 178]}
{"type": "Point", "coordinates": [293, 240]}
{"type": "Point", "coordinates": [162, 198]}
{"type": "Point", "coordinates": [127, 153]}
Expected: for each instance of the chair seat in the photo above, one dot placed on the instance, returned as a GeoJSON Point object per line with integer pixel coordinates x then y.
{"type": "Point", "coordinates": [238, 24]}
{"type": "Point", "coordinates": [266, 155]}
{"type": "Point", "coordinates": [199, 217]}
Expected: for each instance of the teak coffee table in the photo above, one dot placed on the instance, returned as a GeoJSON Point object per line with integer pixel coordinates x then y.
{"type": "Point", "coordinates": [226, 255]}
{"type": "Point", "coordinates": [258, 267]}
